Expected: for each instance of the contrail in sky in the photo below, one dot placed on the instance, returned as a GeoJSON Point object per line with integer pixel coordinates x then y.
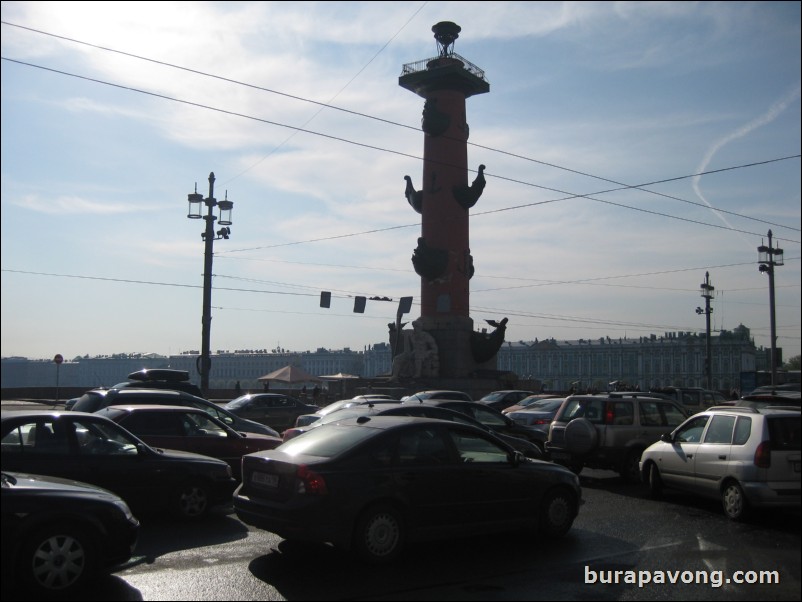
{"type": "Point", "coordinates": [770, 115]}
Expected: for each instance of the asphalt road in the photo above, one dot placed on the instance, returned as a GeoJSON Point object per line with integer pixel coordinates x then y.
{"type": "Point", "coordinates": [619, 529]}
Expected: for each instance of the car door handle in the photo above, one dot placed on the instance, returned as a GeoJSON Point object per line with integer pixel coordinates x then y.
{"type": "Point", "coordinates": [722, 457]}
{"type": "Point", "coordinates": [690, 456]}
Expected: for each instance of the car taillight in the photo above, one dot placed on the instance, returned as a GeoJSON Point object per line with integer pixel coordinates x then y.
{"type": "Point", "coordinates": [763, 455]}
{"type": "Point", "coordinates": [311, 482]}
{"type": "Point", "coordinates": [609, 415]}
{"type": "Point", "coordinates": [541, 421]}
{"type": "Point", "coordinates": [290, 434]}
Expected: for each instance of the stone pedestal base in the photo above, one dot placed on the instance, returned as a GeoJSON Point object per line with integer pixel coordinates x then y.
{"type": "Point", "coordinates": [453, 336]}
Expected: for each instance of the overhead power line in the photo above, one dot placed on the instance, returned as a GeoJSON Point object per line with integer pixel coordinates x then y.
{"type": "Point", "coordinates": [390, 122]}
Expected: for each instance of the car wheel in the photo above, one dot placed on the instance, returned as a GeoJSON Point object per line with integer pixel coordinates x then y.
{"type": "Point", "coordinates": [379, 534]}
{"type": "Point", "coordinates": [58, 559]}
{"type": "Point", "coordinates": [734, 501]}
{"type": "Point", "coordinates": [630, 469]}
{"type": "Point", "coordinates": [655, 482]}
{"type": "Point", "coordinates": [191, 501]}
{"type": "Point", "coordinates": [557, 512]}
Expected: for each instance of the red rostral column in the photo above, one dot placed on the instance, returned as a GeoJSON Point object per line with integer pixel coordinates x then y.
{"type": "Point", "coordinates": [442, 258]}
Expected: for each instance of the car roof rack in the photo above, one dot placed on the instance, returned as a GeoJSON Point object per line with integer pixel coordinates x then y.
{"type": "Point", "coordinates": [745, 409]}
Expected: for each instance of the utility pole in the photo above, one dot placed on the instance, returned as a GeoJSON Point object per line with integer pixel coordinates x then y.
{"type": "Point", "coordinates": [707, 293]}
{"type": "Point", "coordinates": [204, 363]}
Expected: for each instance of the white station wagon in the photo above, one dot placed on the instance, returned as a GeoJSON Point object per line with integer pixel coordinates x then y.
{"type": "Point", "coordinates": [746, 457]}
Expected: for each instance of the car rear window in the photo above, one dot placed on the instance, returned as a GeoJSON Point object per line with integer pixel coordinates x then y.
{"type": "Point", "coordinates": [784, 433]}
{"type": "Point", "coordinates": [327, 441]}
{"type": "Point", "coordinates": [590, 409]}
{"type": "Point", "coordinates": [87, 403]}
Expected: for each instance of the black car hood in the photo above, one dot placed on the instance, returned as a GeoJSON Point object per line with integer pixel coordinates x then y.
{"type": "Point", "coordinates": [32, 483]}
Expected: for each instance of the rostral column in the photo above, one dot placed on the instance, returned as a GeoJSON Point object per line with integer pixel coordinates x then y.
{"type": "Point", "coordinates": [443, 257]}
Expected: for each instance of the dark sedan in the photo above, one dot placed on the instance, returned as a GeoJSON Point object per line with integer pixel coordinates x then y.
{"type": "Point", "coordinates": [490, 417]}
{"type": "Point", "coordinates": [189, 429]}
{"type": "Point", "coordinates": [273, 409]}
{"type": "Point", "coordinates": [528, 449]}
{"type": "Point", "coordinates": [58, 534]}
{"type": "Point", "coordinates": [372, 484]}
{"type": "Point", "coordinates": [97, 399]}
{"type": "Point", "coordinates": [537, 415]}
{"type": "Point", "coordinates": [93, 449]}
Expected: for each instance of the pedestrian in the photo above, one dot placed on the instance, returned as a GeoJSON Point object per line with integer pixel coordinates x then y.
{"type": "Point", "coordinates": [237, 389]}
{"type": "Point", "coordinates": [315, 394]}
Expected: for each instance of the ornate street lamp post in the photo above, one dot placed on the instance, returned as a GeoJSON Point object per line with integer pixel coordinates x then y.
{"type": "Point", "coordinates": [768, 257]}
{"type": "Point", "coordinates": [196, 200]}
{"type": "Point", "coordinates": [707, 293]}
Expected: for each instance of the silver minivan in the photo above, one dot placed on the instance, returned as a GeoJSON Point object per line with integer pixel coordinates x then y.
{"type": "Point", "coordinates": [747, 457]}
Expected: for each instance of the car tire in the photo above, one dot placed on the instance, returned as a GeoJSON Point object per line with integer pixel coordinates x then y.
{"type": "Point", "coordinates": [655, 482]}
{"type": "Point", "coordinates": [379, 534]}
{"type": "Point", "coordinates": [580, 436]}
{"type": "Point", "coordinates": [734, 501]}
{"type": "Point", "coordinates": [191, 500]}
{"type": "Point", "coordinates": [630, 468]}
{"type": "Point", "coordinates": [58, 559]}
{"type": "Point", "coordinates": [557, 512]}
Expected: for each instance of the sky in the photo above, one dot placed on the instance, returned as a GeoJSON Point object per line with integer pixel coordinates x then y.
{"type": "Point", "coordinates": [630, 148]}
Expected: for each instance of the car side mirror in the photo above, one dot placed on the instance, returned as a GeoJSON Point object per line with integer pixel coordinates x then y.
{"type": "Point", "coordinates": [667, 438]}
{"type": "Point", "coordinates": [516, 458]}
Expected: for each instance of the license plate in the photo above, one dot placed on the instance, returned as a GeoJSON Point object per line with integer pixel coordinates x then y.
{"type": "Point", "coordinates": [264, 479]}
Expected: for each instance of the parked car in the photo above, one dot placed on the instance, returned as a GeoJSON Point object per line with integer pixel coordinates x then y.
{"type": "Point", "coordinates": [441, 394]}
{"type": "Point", "coordinates": [495, 420]}
{"type": "Point", "coordinates": [160, 378]}
{"type": "Point", "coordinates": [778, 388]}
{"type": "Point", "coordinates": [97, 399]}
{"type": "Point", "coordinates": [189, 429]}
{"type": "Point", "coordinates": [93, 449]}
{"type": "Point", "coordinates": [373, 484]}
{"type": "Point", "coordinates": [307, 419]}
{"type": "Point", "coordinates": [527, 401]}
{"type": "Point", "coordinates": [765, 399]}
{"type": "Point", "coordinates": [537, 415]}
{"type": "Point", "coordinates": [59, 534]}
{"type": "Point", "coordinates": [746, 457]}
{"type": "Point", "coordinates": [610, 431]}
{"type": "Point", "coordinates": [504, 399]}
{"type": "Point", "coordinates": [528, 449]}
{"type": "Point", "coordinates": [695, 399]}
{"type": "Point", "coordinates": [276, 410]}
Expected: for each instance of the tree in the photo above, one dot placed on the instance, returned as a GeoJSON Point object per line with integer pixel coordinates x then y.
{"type": "Point", "coordinates": [793, 363]}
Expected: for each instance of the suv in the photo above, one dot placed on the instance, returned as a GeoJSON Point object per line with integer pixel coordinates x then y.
{"type": "Point", "coordinates": [746, 457]}
{"type": "Point", "coordinates": [610, 431]}
{"type": "Point", "coordinates": [160, 378]}
{"type": "Point", "coordinates": [97, 399]}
